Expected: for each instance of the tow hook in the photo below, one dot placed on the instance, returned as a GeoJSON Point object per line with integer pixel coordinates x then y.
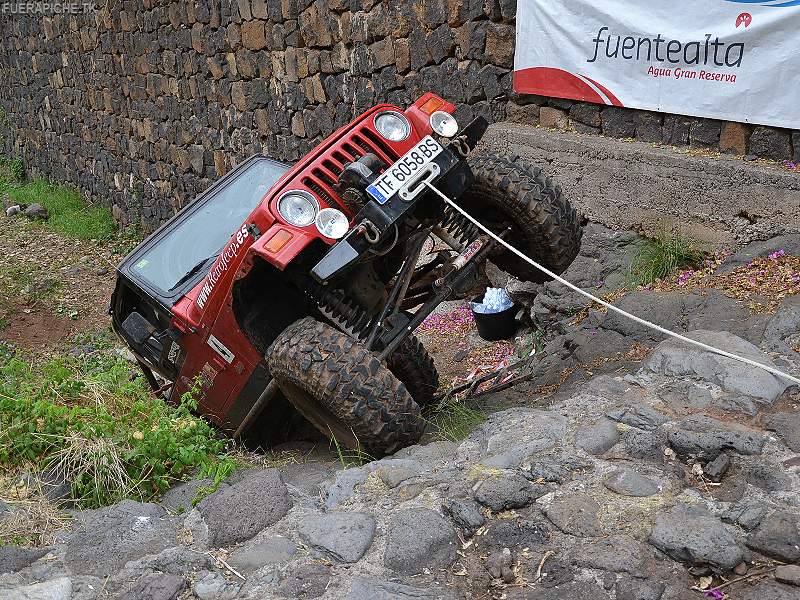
{"type": "Point", "coordinates": [368, 229]}
{"type": "Point", "coordinates": [461, 146]}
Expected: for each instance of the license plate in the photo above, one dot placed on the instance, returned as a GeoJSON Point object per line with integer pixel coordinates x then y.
{"type": "Point", "coordinates": [404, 169]}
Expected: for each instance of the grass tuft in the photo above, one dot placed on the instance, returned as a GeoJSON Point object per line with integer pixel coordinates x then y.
{"type": "Point", "coordinates": [659, 257]}
{"type": "Point", "coordinates": [350, 457]}
{"type": "Point", "coordinates": [97, 465]}
{"type": "Point", "coordinates": [12, 170]}
{"type": "Point", "coordinates": [69, 212]}
{"type": "Point", "coordinates": [93, 420]}
{"type": "Point", "coordinates": [452, 420]}
{"type": "Point", "coordinates": [33, 520]}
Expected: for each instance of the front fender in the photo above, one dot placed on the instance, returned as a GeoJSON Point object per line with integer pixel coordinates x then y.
{"type": "Point", "coordinates": [280, 245]}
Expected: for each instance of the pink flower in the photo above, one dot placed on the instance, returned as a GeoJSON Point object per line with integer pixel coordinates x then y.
{"type": "Point", "coordinates": [715, 594]}
{"type": "Point", "coordinates": [684, 277]}
{"type": "Point", "coordinates": [777, 254]}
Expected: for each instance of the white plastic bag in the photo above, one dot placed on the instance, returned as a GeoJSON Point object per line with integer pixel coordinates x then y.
{"type": "Point", "coordinates": [494, 301]}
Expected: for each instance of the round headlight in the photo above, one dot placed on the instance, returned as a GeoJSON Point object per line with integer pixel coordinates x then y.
{"type": "Point", "coordinates": [332, 223]}
{"type": "Point", "coordinates": [298, 208]}
{"type": "Point", "coordinates": [444, 124]}
{"type": "Point", "coordinates": [393, 126]}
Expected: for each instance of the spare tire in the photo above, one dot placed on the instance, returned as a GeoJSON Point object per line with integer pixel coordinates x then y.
{"type": "Point", "coordinates": [343, 389]}
{"type": "Point", "coordinates": [508, 192]}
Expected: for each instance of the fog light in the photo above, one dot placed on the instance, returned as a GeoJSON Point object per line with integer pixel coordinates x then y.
{"type": "Point", "coordinates": [332, 223]}
{"type": "Point", "coordinates": [444, 124]}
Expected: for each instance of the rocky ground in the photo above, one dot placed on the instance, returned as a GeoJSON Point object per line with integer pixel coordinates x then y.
{"type": "Point", "coordinates": [630, 468]}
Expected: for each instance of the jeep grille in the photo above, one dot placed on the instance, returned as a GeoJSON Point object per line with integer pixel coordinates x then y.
{"type": "Point", "coordinates": [322, 179]}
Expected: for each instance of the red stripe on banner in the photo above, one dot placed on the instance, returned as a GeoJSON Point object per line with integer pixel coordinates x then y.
{"type": "Point", "coordinates": [614, 100]}
{"type": "Point", "coordinates": [549, 81]}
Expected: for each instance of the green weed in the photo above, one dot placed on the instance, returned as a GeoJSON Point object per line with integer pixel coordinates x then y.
{"type": "Point", "coordinates": [12, 170]}
{"type": "Point", "coordinates": [659, 257]}
{"type": "Point", "coordinates": [350, 457]}
{"type": "Point", "coordinates": [17, 169]}
{"type": "Point", "coordinates": [69, 212]}
{"type": "Point", "coordinates": [94, 423]}
{"type": "Point", "coordinates": [218, 473]}
{"type": "Point", "coordinates": [452, 420]}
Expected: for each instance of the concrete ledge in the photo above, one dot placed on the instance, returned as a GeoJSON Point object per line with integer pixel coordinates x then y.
{"type": "Point", "coordinates": [634, 185]}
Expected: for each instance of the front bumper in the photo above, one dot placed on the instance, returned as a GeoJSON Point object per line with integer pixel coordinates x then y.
{"type": "Point", "coordinates": [375, 223]}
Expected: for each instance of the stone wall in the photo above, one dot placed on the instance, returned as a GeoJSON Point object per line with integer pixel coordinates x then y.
{"type": "Point", "coordinates": [142, 104]}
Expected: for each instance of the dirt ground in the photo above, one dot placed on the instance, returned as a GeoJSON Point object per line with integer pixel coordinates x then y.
{"type": "Point", "coordinates": [460, 354]}
{"type": "Point", "coordinates": [52, 287]}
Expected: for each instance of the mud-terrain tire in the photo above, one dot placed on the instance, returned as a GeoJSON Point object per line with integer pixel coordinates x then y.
{"type": "Point", "coordinates": [545, 227]}
{"type": "Point", "coordinates": [413, 366]}
{"type": "Point", "coordinates": [343, 389]}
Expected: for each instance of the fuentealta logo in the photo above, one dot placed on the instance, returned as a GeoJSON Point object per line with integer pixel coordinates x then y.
{"type": "Point", "coordinates": [708, 52]}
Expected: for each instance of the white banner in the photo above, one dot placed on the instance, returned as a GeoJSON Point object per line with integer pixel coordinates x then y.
{"type": "Point", "coordinates": [736, 60]}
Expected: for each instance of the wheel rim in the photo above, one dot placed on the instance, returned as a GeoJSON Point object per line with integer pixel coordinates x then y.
{"type": "Point", "coordinates": [319, 416]}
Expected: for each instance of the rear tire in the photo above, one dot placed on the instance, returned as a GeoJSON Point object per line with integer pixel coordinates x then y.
{"type": "Point", "coordinates": [343, 389]}
{"type": "Point", "coordinates": [545, 227]}
{"type": "Point", "coordinates": [412, 365]}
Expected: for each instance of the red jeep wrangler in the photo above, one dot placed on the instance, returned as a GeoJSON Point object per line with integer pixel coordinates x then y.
{"type": "Point", "coordinates": [302, 285]}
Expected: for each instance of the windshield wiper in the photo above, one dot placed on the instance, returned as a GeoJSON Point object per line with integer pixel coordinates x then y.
{"type": "Point", "coordinates": [192, 272]}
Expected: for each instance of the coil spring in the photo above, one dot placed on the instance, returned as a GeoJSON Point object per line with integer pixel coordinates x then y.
{"type": "Point", "coordinates": [458, 226]}
{"type": "Point", "coordinates": [347, 314]}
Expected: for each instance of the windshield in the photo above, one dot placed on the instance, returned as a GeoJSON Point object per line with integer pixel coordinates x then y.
{"type": "Point", "coordinates": [208, 226]}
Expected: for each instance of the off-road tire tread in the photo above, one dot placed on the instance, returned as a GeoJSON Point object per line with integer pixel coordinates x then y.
{"type": "Point", "coordinates": [350, 382]}
{"type": "Point", "coordinates": [412, 365]}
{"type": "Point", "coordinates": [535, 204]}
